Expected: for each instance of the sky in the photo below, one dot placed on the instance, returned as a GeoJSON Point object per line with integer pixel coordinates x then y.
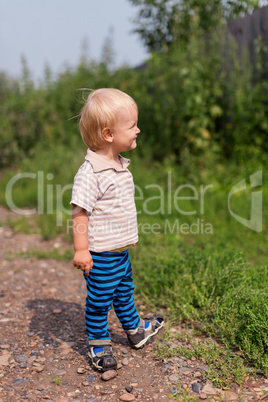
{"type": "Point", "coordinates": [52, 32]}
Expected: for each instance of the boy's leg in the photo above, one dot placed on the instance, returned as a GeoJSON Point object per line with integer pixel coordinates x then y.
{"type": "Point", "coordinates": [123, 301]}
{"type": "Point", "coordinates": [138, 330]}
{"type": "Point", "coordinates": [101, 284]}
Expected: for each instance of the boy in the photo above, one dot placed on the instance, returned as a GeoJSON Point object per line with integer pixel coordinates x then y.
{"type": "Point", "coordinates": [105, 223]}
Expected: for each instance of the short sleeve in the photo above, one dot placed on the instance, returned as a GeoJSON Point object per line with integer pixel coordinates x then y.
{"type": "Point", "coordinates": [85, 189]}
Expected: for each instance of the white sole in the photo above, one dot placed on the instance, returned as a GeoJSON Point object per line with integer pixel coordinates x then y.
{"type": "Point", "coordinates": [141, 343]}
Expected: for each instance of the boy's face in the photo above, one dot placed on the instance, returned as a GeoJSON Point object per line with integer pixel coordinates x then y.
{"type": "Point", "coordinates": [125, 130]}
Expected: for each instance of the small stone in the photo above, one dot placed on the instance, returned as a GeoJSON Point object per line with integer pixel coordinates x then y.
{"type": "Point", "coordinates": [124, 351]}
{"type": "Point", "coordinates": [209, 389]}
{"type": "Point", "coordinates": [40, 389]}
{"type": "Point", "coordinates": [8, 234]}
{"type": "Point", "coordinates": [18, 380]}
{"type": "Point", "coordinates": [119, 366]}
{"type": "Point", "coordinates": [127, 397]}
{"type": "Point", "coordinates": [196, 387]}
{"type": "Point", "coordinates": [203, 396]}
{"type": "Point", "coordinates": [21, 358]}
{"type": "Point", "coordinates": [85, 383]}
{"type": "Point", "coordinates": [23, 365]}
{"type": "Point", "coordinates": [4, 346]}
{"type": "Point", "coordinates": [81, 370]}
{"type": "Point", "coordinates": [63, 399]}
{"type": "Point", "coordinates": [91, 378]}
{"type": "Point", "coordinates": [174, 378]}
{"type": "Point", "coordinates": [231, 396]}
{"type": "Point", "coordinates": [4, 359]}
{"type": "Point", "coordinates": [197, 374]}
{"type": "Point", "coordinates": [38, 369]}
{"type": "Point", "coordinates": [125, 361]}
{"type": "Point", "coordinates": [31, 359]}
{"type": "Point", "coordinates": [134, 380]}
{"type": "Point", "coordinates": [57, 311]}
{"type": "Point", "coordinates": [30, 334]}
{"type": "Point", "coordinates": [204, 367]}
{"type": "Point", "coordinates": [108, 375]}
{"type": "Point", "coordinates": [129, 388]}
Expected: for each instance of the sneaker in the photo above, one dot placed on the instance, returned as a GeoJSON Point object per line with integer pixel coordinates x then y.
{"type": "Point", "coordinates": [147, 328]}
{"type": "Point", "coordinates": [102, 357]}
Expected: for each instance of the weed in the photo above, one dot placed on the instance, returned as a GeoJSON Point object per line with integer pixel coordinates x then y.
{"type": "Point", "coordinates": [181, 394]}
{"type": "Point", "coordinates": [56, 380]}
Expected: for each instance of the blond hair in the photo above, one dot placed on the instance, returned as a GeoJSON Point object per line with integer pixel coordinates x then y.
{"type": "Point", "coordinates": [100, 111]}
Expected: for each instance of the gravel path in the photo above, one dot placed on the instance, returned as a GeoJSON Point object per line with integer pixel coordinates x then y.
{"type": "Point", "coordinates": [43, 351]}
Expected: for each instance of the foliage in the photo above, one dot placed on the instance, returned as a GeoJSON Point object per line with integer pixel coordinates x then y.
{"type": "Point", "coordinates": [195, 100]}
{"type": "Point", "coordinates": [165, 23]}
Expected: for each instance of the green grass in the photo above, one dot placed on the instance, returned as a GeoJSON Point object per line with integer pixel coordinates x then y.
{"type": "Point", "coordinates": [224, 366]}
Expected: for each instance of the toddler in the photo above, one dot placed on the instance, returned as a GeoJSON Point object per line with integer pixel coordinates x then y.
{"type": "Point", "coordinates": [105, 223]}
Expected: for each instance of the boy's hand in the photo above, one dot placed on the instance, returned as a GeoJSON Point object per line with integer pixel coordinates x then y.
{"type": "Point", "coordinates": [83, 260]}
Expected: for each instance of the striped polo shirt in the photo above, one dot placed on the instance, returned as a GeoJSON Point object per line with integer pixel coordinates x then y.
{"type": "Point", "coordinates": [106, 192]}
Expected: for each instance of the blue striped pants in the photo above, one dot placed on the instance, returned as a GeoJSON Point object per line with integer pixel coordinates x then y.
{"type": "Point", "coordinates": [109, 282]}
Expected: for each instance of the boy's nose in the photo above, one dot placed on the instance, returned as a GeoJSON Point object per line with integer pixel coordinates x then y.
{"type": "Point", "coordinates": [138, 130]}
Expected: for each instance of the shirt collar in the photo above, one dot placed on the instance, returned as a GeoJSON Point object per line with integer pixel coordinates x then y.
{"type": "Point", "coordinates": [99, 163]}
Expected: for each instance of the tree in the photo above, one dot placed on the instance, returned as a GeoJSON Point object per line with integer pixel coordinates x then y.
{"type": "Point", "coordinates": [161, 23]}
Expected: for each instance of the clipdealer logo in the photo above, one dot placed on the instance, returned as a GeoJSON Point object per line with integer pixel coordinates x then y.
{"type": "Point", "coordinates": [256, 202]}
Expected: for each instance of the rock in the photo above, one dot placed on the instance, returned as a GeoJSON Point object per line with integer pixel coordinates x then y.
{"type": "Point", "coordinates": [40, 389]}
{"type": "Point", "coordinates": [231, 396]}
{"type": "Point", "coordinates": [127, 397]}
{"type": "Point", "coordinates": [125, 361]}
{"type": "Point", "coordinates": [129, 388]}
{"type": "Point", "coordinates": [19, 380]}
{"type": "Point", "coordinates": [8, 234]}
{"type": "Point", "coordinates": [209, 389]}
{"type": "Point", "coordinates": [174, 378]}
{"type": "Point", "coordinates": [108, 375]}
{"type": "Point", "coordinates": [31, 359]}
{"type": "Point", "coordinates": [63, 399]}
{"type": "Point", "coordinates": [38, 369]}
{"type": "Point", "coordinates": [57, 311]}
{"type": "Point", "coordinates": [134, 380]}
{"type": "Point", "coordinates": [85, 383]}
{"type": "Point", "coordinates": [119, 366]}
{"type": "Point", "coordinates": [196, 387]}
{"type": "Point", "coordinates": [81, 370]}
{"type": "Point", "coordinates": [197, 374]}
{"type": "Point", "coordinates": [4, 346]}
{"type": "Point", "coordinates": [21, 358]}
{"type": "Point", "coordinates": [203, 396]}
{"type": "Point", "coordinates": [204, 367]}
{"type": "Point", "coordinates": [184, 370]}
{"type": "Point", "coordinates": [91, 378]}
{"type": "Point", "coordinates": [4, 359]}
{"type": "Point", "coordinates": [124, 351]}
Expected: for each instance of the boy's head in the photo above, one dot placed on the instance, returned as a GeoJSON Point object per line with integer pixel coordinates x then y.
{"type": "Point", "coordinates": [101, 111]}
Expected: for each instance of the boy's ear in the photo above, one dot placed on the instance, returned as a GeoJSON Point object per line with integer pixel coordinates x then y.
{"type": "Point", "coordinates": [107, 134]}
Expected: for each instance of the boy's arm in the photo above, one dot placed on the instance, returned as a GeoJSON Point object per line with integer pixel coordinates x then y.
{"type": "Point", "coordinates": [82, 257]}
